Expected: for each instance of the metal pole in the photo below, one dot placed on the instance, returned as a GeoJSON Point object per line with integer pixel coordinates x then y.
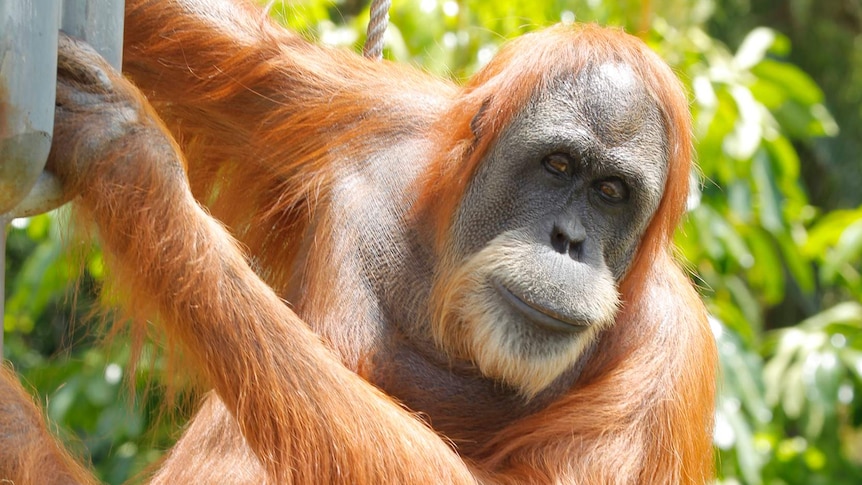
{"type": "Point", "coordinates": [28, 73]}
{"type": "Point", "coordinates": [100, 23]}
{"type": "Point", "coordinates": [28, 79]}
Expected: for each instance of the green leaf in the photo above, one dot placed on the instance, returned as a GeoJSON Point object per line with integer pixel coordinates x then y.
{"type": "Point", "coordinates": [768, 195]}
{"type": "Point", "coordinates": [750, 462]}
{"type": "Point", "coordinates": [842, 313]}
{"type": "Point", "coordinates": [794, 82]}
{"type": "Point", "coordinates": [798, 265]}
{"type": "Point", "coordinates": [741, 371]}
{"type": "Point", "coordinates": [775, 370]}
{"type": "Point", "coordinates": [849, 246]}
{"type": "Point", "coordinates": [748, 129]}
{"type": "Point", "coordinates": [753, 48]}
{"type": "Point", "coordinates": [793, 392]}
{"type": "Point", "coordinates": [767, 265]}
{"type": "Point", "coordinates": [784, 158]}
{"type": "Point", "coordinates": [828, 230]}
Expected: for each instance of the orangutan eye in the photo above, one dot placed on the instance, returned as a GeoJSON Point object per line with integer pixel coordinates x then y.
{"type": "Point", "coordinates": [559, 164]}
{"type": "Point", "coordinates": [612, 190]}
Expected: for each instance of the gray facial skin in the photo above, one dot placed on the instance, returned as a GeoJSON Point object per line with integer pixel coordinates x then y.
{"type": "Point", "coordinates": [577, 177]}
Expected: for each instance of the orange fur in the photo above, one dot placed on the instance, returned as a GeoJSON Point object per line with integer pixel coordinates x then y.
{"type": "Point", "coordinates": [29, 454]}
{"type": "Point", "coordinates": [261, 119]}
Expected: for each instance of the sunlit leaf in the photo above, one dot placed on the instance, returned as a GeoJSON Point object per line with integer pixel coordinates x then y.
{"type": "Point", "coordinates": [828, 230]}
{"type": "Point", "coordinates": [754, 47]}
{"type": "Point", "coordinates": [745, 300]}
{"type": "Point", "coordinates": [768, 195]}
{"type": "Point", "coordinates": [741, 373]}
{"type": "Point", "coordinates": [849, 246]}
{"type": "Point", "coordinates": [774, 372]}
{"type": "Point", "coordinates": [739, 199]}
{"type": "Point", "coordinates": [767, 266]}
{"type": "Point", "coordinates": [748, 130]}
{"type": "Point", "coordinates": [798, 85]}
{"type": "Point", "coordinates": [793, 390]}
{"type": "Point", "coordinates": [784, 158]}
{"type": "Point", "coordinates": [798, 265]}
{"type": "Point", "coordinates": [846, 312]}
{"type": "Point", "coordinates": [750, 463]}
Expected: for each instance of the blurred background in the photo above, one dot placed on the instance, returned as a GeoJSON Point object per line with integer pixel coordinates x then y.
{"type": "Point", "coordinates": [773, 238]}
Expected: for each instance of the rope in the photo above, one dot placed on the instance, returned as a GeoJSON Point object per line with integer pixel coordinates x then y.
{"type": "Point", "coordinates": [377, 23]}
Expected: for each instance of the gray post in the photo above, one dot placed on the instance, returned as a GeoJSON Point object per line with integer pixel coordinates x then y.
{"type": "Point", "coordinates": [100, 23]}
{"type": "Point", "coordinates": [28, 79]}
